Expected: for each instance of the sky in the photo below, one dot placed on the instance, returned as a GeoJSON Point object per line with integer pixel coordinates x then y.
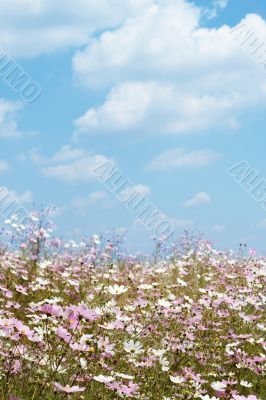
{"type": "Point", "coordinates": [161, 88]}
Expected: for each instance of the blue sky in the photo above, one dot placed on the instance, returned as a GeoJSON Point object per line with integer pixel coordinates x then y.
{"type": "Point", "coordinates": [161, 88]}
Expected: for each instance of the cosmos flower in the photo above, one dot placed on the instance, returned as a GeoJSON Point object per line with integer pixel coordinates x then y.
{"type": "Point", "coordinates": [177, 379]}
{"type": "Point", "coordinates": [251, 397]}
{"type": "Point", "coordinates": [104, 379]}
{"type": "Point", "coordinates": [58, 318]}
{"type": "Point", "coordinates": [68, 389]}
{"type": "Point", "coordinates": [124, 376]}
{"type": "Point", "coordinates": [133, 347]}
{"type": "Point", "coordinates": [246, 384]}
{"type": "Point", "coordinates": [117, 290]}
{"type": "Point", "coordinates": [164, 303]}
{"type": "Point", "coordinates": [219, 386]}
{"type": "Point", "coordinates": [63, 334]}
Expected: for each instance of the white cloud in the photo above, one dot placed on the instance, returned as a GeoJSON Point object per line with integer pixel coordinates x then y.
{"type": "Point", "coordinates": [183, 223]}
{"type": "Point", "coordinates": [217, 5]}
{"type": "Point", "coordinates": [199, 199]}
{"type": "Point", "coordinates": [82, 204]}
{"type": "Point", "coordinates": [166, 73]}
{"type": "Point", "coordinates": [144, 190]}
{"type": "Point", "coordinates": [179, 157]}
{"type": "Point", "coordinates": [95, 197]}
{"type": "Point", "coordinates": [76, 171]}
{"type": "Point", "coordinates": [102, 199]}
{"type": "Point", "coordinates": [48, 25]}
{"type": "Point", "coordinates": [24, 198]}
{"type": "Point", "coordinates": [8, 116]}
{"type": "Point", "coordinates": [165, 41]}
{"type": "Point", "coordinates": [159, 108]}
{"type": "Point", "coordinates": [3, 166]}
{"type": "Point", "coordinates": [217, 228]}
{"type": "Point", "coordinates": [66, 153]}
{"type": "Point", "coordinates": [262, 224]}
{"type": "Point", "coordinates": [69, 164]}
{"type": "Point", "coordinates": [220, 3]}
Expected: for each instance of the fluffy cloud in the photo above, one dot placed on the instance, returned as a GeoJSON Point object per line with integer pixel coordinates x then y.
{"type": "Point", "coordinates": [179, 157]}
{"type": "Point", "coordinates": [49, 25]}
{"type": "Point", "coordinates": [262, 224]}
{"type": "Point", "coordinates": [166, 41]}
{"type": "Point", "coordinates": [143, 45]}
{"type": "Point", "coordinates": [24, 198]}
{"type": "Point", "coordinates": [159, 108]}
{"type": "Point", "coordinates": [217, 228]}
{"type": "Point", "coordinates": [217, 5]}
{"type": "Point", "coordinates": [8, 117]}
{"type": "Point", "coordinates": [82, 204]}
{"type": "Point", "coordinates": [69, 164]}
{"type": "Point", "coordinates": [164, 72]}
{"type": "Point", "coordinates": [141, 189]}
{"type": "Point", "coordinates": [3, 165]}
{"type": "Point", "coordinates": [199, 199]}
{"type": "Point", "coordinates": [183, 223]}
{"type": "Point", "coordinates": [95, 197]}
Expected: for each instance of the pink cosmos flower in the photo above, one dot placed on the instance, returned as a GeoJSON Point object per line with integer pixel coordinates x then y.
{"type": "Point", "coordinates": [22, 329]}
{"type": "Point", "coordinates": [89, 315]}
{"type": "Point", "coordinates": [63, 334]}
{"type": "Point", "coordinates": [68, 389]}
{"type": "Point", "coordinates": [252, 252]}
{"type": "Point", "coordinates": [54, 310]}
{"type": "Point", "coordinates": [73, 320]}
{"type": "Point", "coordinates": [128, 390]}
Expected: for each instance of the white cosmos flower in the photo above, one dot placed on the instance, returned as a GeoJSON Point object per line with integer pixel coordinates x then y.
{"type": "Point", "coordinates": [229, 351]}
{"type": "Point", "coordinates": [44, 264]}
{"type": "Point", "coordinates": [116, 289]}
{"type": "Point", "coordinates": [124, 318]}
{"type": "Point", "coordinates": [96, 239]}
{"type": "Point", "coordinates": [164, 363]}
{"type": "Point", "coordinates": [219, 386]}
{"type": "Point", "coordinates": [133, 347]}
{"type": "Point", "coordinates": [261, 327]}
{"type": "Point", "coordinates": [104, 379]}
{"type": "Point", "coordinates": [145, 287]}
{"type": "Point", "coordinates": [85, 339]}
{"type": "Point", "coordinates": [177, 379]}
{"type": "Point", "coordinates": [246, 384]}
{"type": "Point", "coordinates": [40, 331]}
{"type": "Point", "coordinates": [124, 376]}
{"type": "Point", "coordinates": [164, 303]}
{"type": "Point", "coordinates": [158, 353]}
{"type": "Point", "coordinates": [181, 282]}
{"type": "Point", "coordinates": [83, 363]}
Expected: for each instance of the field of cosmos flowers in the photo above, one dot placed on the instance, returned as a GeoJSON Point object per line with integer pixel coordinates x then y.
{"type": "Point", "coordinates": [85, 321]}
